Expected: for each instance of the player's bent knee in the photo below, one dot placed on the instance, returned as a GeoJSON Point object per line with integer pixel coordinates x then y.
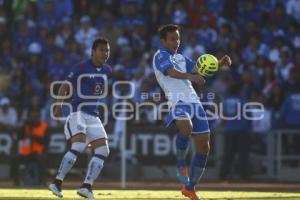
{"type": "Point", "coordinates": [78, 147]}
{"type": "Point", "coordinates": [102, 151]}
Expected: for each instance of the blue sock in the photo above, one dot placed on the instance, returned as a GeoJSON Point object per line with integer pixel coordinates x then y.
{"type": "Point", "coordinates": [182, 144]}
{"type": "Point", "coordinates": [196, 170]}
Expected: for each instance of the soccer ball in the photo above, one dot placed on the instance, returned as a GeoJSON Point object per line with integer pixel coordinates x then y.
{"type": "Point", "coordinates": [207, 65]}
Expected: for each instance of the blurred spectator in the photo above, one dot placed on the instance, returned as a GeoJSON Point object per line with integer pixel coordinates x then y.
{"type": "Point", "coordinates": [275, 49]}
{"type": "Point", "coordinates": [290, 119]}
{"type": "Point", "coordinates": [154, 17]}
{"type": "Point", "coordinates": [86, 34]}
{"type": "Point", "coordinates": [129, 15]}
{"type": "Point", "coordinates": [224, 36]}
{"type": "Point", "coordinates": [206, 34]}
{"type": "Point", "coordinates": [230, 10]}
{"type": "Point", "coordinates": [284, 65]}
{"type": "Point", "coordinates": [29, 165]}
{"type": "Point", "coordinates": [127, 62]}
{"type": "Point", "coordinates": [263, 120]}
{"type": "Point", "coordinates": [276, 98]}
{"type": "Point", "coordinates": [293, 9]}
{"type": "Point", "coordinates": [253, 49]}
{"type": "Point", "coordinates": [290, 110]}
{"type": "Point", "coordinates": [8, 115]}
{"type": "Point", "coordinates": [111, 32]}
{"type": "Point", "coordinates": [48, 16]}
{"type": "Point", "coordinates": [179, 15]}
{"type": "Point", "coordinates": [65, 32]}
{"type": "Point", "coordinates": [19, 8]}
{"type": "Point", "coordinates": [220, 85]}
{"type": "Point", "coordinates": [193, 49]}
{"type": "Point", "coordinates": [3, 28]}
{"type": "Point", "coordinates": [237, 136]}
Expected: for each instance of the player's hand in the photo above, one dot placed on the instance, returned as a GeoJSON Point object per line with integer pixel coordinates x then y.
{"type": "Point", "coordinates": [197, 79]}
{"type": "Point", "coordinates": [57, 112]}
{"type": "Point", "coordinates": [225, 60]}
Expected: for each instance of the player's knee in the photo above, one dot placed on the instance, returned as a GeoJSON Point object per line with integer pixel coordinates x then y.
{"type": "Point", "coordinates": [102, 151]}
{"type": "Point", "coordinates": [78, 147]}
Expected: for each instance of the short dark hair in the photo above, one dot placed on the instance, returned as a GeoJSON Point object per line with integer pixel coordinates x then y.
{"type": "Point", "coordinates": [164, 29]}
{"type": "Point", "coordinates": [99, 41]}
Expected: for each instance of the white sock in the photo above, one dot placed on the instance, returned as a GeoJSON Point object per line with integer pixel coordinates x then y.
{"type": "Point", "coordinates": [94, 169]}
{"type": "Point", "coordinates": [66, 164]}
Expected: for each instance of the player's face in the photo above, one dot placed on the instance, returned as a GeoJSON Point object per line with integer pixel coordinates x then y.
{"type": "Point", "coordinates": [101, 54]}
{"type": "Point", "coordinates": [172, 41]}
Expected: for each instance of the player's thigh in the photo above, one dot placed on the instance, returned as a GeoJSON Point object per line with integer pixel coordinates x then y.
{"type": "Point", "coordinates": [184, 126]}
{"type": "Point", "coordinates": [95, 130]}
{"type": "Point", "coordinates": [75, 127]}
{"type": "Point", "coordinates": [181, 113]}
{"type": "Point", "coordinates": [98, 143]}
{"type": "Point", "coordinates": [80, 137]}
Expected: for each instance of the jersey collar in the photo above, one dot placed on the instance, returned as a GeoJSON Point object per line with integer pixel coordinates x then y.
{"type": "Point", "coordinates": [90, 61]}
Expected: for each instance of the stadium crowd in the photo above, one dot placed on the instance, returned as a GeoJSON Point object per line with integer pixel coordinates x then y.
{"type": "Point", "coordinates": [42, 40]}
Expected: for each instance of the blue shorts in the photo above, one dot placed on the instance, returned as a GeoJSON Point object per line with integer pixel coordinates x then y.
{"type": "Point", "coordinates": [192, 111]}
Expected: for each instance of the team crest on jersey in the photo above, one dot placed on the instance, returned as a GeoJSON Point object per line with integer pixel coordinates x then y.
{"type": "Point", "coordinates": [97, 89]}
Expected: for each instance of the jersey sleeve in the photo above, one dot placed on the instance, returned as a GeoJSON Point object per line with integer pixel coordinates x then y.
{"type": "Point", "coordinates": [190, 64]}
{"type": "Point", "coordinates": [162, 62]}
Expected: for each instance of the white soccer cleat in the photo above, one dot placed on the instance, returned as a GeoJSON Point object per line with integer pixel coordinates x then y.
{"type": "Point", "coordinates": [55, 190]}
{"type": "Point", "coordinates": [84, 192]}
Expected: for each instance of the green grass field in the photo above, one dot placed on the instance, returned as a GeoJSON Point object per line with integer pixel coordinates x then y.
{"type": "Point", "coordinates": [146, 194]}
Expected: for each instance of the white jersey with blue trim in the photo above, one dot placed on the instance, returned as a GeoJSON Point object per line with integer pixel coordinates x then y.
{"type": "Point", "coordinates": [175, 89]}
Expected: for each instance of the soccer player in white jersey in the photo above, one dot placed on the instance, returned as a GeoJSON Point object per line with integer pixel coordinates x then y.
{"type": "Point", "coordinates": [83, 126]}
{"type": "Point", "coordinates": [175, 74]}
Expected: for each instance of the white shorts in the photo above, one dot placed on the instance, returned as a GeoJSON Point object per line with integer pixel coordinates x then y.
{"type": "Point", "coordinates": [80, 122]}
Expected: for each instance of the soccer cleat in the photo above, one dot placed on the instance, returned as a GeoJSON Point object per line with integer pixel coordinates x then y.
{"type": "Point", "coordinates": [189, 194]}
{"type": "Point", "coordinates": [183, 175]}
{"type": "Point", "coordinates": [86, 193]}
{"type": "Point", "coordinates": [55, 190]}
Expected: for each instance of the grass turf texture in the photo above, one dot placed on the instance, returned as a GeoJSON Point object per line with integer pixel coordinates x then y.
{"type": "Point", "coordinates": [146, 194]}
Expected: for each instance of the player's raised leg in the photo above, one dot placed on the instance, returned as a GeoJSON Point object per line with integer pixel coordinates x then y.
{"type": "Point", "coordinates": [182, 143]}
{"type": "Point", "coordinates": [95, 166]}
{"type": "Point", "coordinates": [77, 147]}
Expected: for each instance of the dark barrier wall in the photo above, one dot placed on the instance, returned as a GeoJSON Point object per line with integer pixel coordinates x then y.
{"type": "Point", "coordinates": [150, 145]}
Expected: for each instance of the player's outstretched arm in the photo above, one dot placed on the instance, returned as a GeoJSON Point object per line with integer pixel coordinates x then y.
{"type": "Point", "coordinates": [64, 89]}
{"type": "Point", "coordinates": [195, 78]}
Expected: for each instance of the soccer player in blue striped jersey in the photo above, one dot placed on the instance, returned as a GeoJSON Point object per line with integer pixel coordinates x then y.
{"type": "Point", "coordinates": [175, 74]}
{"type": "Point", "coordinates": [83, 126]}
